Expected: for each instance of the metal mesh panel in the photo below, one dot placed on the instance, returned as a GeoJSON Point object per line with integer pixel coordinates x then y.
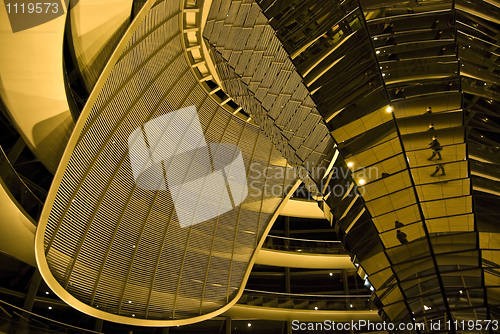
{"type": "Point", "coordinates": [120, 248]}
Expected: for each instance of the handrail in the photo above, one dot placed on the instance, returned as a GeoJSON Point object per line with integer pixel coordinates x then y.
{"type": "Point", "coordinates": [304, 245]}
{"type": "Point", "coordinates": [288, 238]}
{"type": "Point", "coordinates": [6, 159]}
{"type": "Point", "coordinates": [304, 295]}
{"type": "Point", "coordinates": [45, 318]}
{"type": "Point", "coordinates": [306, 302]}
{"type": "Point", "coordinates": [21, 192]}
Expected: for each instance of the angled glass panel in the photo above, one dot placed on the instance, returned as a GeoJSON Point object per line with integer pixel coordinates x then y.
{"type": "Point", "coordinates": [383, 185]}
{"type": "Point", "coordinates": [405, 234]}
{"type": "Point", "coordinates": [418, 106]}
{"type": "Point", "coordinates": [460, 223]}
{"type": "Point", "coordinates": [452, 153]}
{"type": "Point", "coordinates": [447, 207]}
{"type": "Point", "coordinates": [392, 202]}
{"type": "Point", "coordinates": [397, 218]}
{"type": "Point", "coordinates": [442, 190]}
{"type": "Point", "coordinates": [422, 123]}
{"type": "Point", "coordinates": [381, 149]}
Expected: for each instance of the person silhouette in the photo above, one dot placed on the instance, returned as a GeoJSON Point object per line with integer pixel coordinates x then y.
{"type": "Point", "coordinates": [436, 148]}
{"type": "Point", "coordinates": [401, 237]}
{"type": "Point", "coordinates": [439, 167]}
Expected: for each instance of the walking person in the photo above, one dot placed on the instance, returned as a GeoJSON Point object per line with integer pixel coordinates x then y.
{"type": "Point", "coordinates": [439, 167]}
{"type": "Point", "coordinates": [436, 149]}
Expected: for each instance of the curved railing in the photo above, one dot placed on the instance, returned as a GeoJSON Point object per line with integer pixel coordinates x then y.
{"type": "Point", "coordinates": [303, 245]}
{"type": "Point", "coordinates": [307, 302]}
{"type": "Point", "coordinates": [14, 319]}
{"type": "Point", "coordinates": [19, 190]}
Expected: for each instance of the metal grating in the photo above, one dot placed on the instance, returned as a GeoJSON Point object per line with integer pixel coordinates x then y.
{"type": "Point", "coordinates": [119, 248]}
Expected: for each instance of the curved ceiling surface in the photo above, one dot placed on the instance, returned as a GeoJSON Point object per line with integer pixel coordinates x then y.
{"type": "Point", "coordinates": [96, 27]}
{"type": "Point", "coordinates": [32, 85]}
{"type": "Point", "coordinates": [142, 225]}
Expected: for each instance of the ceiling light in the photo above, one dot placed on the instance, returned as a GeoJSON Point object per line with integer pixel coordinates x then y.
{"type": "Point", "coordinates": [130, 302]}
{"type": "Point", "coordinates": [299, 250]}
{"type": "Point", "coordinates": [377, 52]}
{"type": "Point", "coordinates": [46, 292]}
{"type": "Point", "coordinates": [460, 291]}
{"type": "Point", "coordinates": [362, 181]}
{"type": "Point", "coordinates": [133, 315]}
{"type": "Point", "coordinates": [389, 109]}
{"type": "Point", "coordinates": [350, 164]}
{"type": "Point", "coordinates": [331, 274]}
{"type": "Point", "coordinates": [50, 307]}
{"type": "Point", "coordinates": [383, 74]}
{"type": "Point", "coordinates": [316, 308]}
{"type": "Point", "coordinates": [375, 38]}
{"type": "Point", "coordinates": [249, 325]}
{"type": "Point", "coordinates": [350, 305]}
{"type": "Point", "coordinates": [427, 307]}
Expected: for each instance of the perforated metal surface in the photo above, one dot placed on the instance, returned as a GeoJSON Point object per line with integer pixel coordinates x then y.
{"type": "Point", "coordinates": [119, 248]}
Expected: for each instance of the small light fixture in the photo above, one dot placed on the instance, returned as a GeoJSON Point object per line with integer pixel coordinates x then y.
{"type": "Point", "coordinates": [375, 38]}
{"type": "Point", "coordinates": [427, 307]}
{"type": "Point", "coordinates": [460, 291]}
{"type": "Point", "coordinates": [299, 250]}
{"type": "Point", "coordinates": [362, 181]}
{"type": "Point", "coordinates": [331, 274]}
{"type": "Point", "coordinates": [130, 302]}
{"type": "Point", "coordinates": [249, 325]}
{"type": "Point", "coordinates": [350, 305]}
{"type": "Point", "coordinates": [50, 307]}
{"type": "Point", "coordinates": [316, 308]}
{"type": "Point", "coordinates": [133, 315]}
{"type": "Point", "coordinates": [350, 164]}
{"type": "Point", "coordinates": [377, 52]}
{"type": "Point", "coordinates": [383, 74]}
{"type": "Point", "coordinates": [46, 292]}
{"type": "Point", "coordinates": [389, 109]}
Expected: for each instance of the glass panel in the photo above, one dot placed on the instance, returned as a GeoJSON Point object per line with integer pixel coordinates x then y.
{"type": "Point", "coordinates": [398, 218]}
{"type": "Point", "coordinates": [391, 202]}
